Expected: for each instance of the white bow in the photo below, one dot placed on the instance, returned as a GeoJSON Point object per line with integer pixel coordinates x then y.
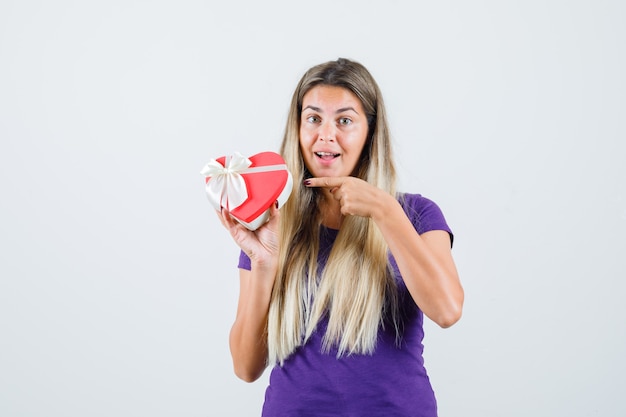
{"type": "Point", "coordinates": [227, 188]}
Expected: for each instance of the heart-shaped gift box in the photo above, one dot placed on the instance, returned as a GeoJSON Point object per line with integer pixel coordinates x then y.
{"type": "Point", "coordinates": [248, 187]}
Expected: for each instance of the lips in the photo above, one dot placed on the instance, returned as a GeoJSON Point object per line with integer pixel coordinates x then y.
{"type": "Point", "coordinates": [327, 156]}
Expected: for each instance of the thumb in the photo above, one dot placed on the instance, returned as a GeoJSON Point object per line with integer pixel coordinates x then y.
{"type": "Point", "coordinates": [274, 213]}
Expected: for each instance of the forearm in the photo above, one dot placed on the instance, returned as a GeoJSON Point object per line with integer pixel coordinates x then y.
{"type": "Point", "coordinates": [248, 338]}
{"type": "Point", "coordinates": [425, 263]}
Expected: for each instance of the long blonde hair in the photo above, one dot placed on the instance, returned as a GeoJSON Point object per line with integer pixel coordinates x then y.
{"type": "Point", "coordinates": [356, 289]}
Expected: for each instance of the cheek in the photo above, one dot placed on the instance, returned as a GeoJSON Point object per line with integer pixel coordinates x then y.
{"type": "Point", "coordinates": [356, 144]}
{"type": "Point", "coordinates": [306, 140]}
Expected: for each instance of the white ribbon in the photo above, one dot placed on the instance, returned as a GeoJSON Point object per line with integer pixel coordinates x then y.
{"type": "Point", "coordinates": [227, 188]}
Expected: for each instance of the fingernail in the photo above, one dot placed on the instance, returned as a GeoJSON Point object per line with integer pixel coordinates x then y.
{"type": "Point", "coordinates": [307, 182]}
{"type": "Point", "coordinates": [276, 203]}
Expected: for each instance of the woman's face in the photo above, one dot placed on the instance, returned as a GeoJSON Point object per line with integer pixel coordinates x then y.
{"type": "Point", "coordinates": [333, 131]}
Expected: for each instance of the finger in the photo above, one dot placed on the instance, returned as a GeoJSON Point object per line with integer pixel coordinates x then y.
{"type": "Point", "coordinates": [324, 182]}
{"type": "Point", "coordinates": [274, 213]}
{"type": "Point", "coordinates": [227, 219]}
{"type": "Point", "coordinates": [274, 210]}
{"type": "Point", "coordinates": [219, 216]}
{"type": "Point", "coordinates": [236, 229]}
{"type": "Point", "coordinates": [223, 219]}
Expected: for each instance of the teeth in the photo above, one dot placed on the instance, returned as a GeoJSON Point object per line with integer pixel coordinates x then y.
{"type": "Point", "coordinates": [326, 154]}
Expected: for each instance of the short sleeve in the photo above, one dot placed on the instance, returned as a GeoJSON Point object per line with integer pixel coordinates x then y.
{"type": "Point", "coordinates": [424, 214]}
{"type": "Point", "coordinates": [244, 261]}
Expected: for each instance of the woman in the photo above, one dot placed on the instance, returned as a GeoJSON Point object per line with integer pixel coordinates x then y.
{"type": "Point", "coordinates": [334, 286]}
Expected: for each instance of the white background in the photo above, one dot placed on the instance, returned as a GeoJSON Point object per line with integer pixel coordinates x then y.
{"type": "Point", "coordinates": [118, 285]}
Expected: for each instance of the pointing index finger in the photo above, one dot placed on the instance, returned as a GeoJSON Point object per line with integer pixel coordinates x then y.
{"type": "Point", "coordinates": [324, 182]}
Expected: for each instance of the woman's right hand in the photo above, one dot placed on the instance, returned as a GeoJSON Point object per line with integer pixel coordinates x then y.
{"type": "Point", "coordinates": [260, 245]}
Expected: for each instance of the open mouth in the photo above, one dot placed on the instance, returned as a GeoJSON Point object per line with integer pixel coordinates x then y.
{"type": "Point", "coordinates": [327, 156]}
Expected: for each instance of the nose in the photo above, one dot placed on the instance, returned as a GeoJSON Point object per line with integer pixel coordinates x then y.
{"type": "Point", "coordinates": [327, 132]}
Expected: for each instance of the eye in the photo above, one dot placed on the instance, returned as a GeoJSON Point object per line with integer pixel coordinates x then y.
{"type": "Point", "coordinates": [344, 121]}
{"type": "Point", "coordinates": [312, 119]}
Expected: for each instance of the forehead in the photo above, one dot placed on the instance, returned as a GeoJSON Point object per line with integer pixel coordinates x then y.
{"type": "Point", "coordinates": [331, 97]}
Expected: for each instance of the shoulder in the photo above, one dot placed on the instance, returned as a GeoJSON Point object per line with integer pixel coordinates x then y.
{"type": "Point", "coordinates": [416, 205]}
{"type": "Point", "coordinates": [244, 261]}
{"type": "Point", "coordinates": [414, 201]}
{"type": "Point", "coordinates": [424, 213]}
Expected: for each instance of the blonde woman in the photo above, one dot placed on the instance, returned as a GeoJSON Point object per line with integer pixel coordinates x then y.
{"type": "Point", "coordinates": [333, 288]}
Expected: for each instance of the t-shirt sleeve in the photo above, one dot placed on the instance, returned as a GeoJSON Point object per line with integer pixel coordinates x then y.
{"type": "Point", "coordinates": [425, 214]}
{"type": "Point", "coordinates": [244, 261]}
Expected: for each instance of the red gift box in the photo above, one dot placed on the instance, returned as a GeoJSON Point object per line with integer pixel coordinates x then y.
{"type": "Point", "coordinates": [248, 187]}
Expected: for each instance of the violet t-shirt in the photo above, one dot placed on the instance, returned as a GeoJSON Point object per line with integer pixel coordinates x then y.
{"type": "Point", "coordinates": [390, 382]}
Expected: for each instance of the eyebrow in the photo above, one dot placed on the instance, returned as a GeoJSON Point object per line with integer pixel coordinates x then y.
{"type": "Point", "coordinates": [341, 110]}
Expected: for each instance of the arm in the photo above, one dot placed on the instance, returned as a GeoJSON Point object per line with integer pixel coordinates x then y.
{"type": "Point", "coordinates": [425, 261]}
{"type": "Point", "coordinates": [248, 338]}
